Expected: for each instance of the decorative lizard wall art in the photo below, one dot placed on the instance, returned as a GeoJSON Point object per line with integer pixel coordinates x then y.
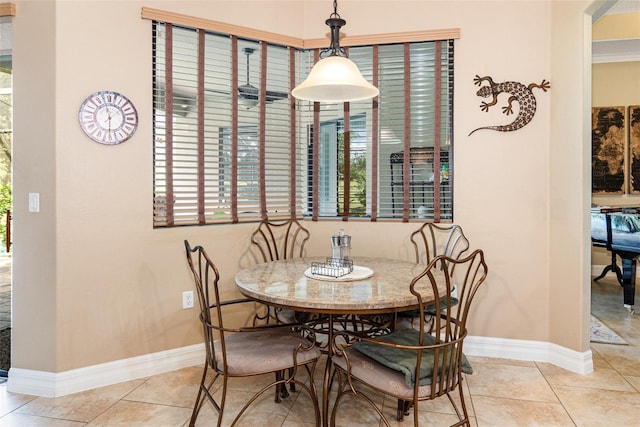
{"type": "Point", "coordinates": [520, 93]}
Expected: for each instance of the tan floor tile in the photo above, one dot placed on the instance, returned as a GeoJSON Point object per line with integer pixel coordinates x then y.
{"type": "Point", "coordinates": [263, 406]}
{"type": "Point", "coordinates": [625, 325]}
{"type": "Point", "coordinates": [590, 407]}
{"type": "Point", "coordinates": [440, 405]}
{"type": "Point", "coordinates": [303, 407]}
{"type": "Point", "coordinates": [500, 412]}
{"type": "Point", "coordinates": [207, 416]}
{"type": "Point", "coordinates": [598, 360]}
{"type": "Point", "coordinates": [129, 414]}
{"type": "Point", "coordinates": [601, 377]}
{"type": "Point", "coordinates": [354, 412]}
{"type": "Point", "coordinates": [622, 358]}
{"type": "Point", "coordinates": [500, 361]}
{"type": "Point", "coordinates": [242, 389]}
{"type": "Point", "coordinates": [634, 381]}
{"type": "Point", "coordinates": [425, 419]}
{"type": "Point", "coordinates": [257, 416]}
{"type": "Point", "coordinates": [11, 401]}
{"type": "Point", "coordinates": [467, 396]}
{"type": "Point", "coordinates": [254, 383]}
{"type": "Point", "coordinates": [83, 406]}
{"type": "Point", "coordinates": [296, 423]}
{"type": "Point", "coordinates": [438, 412]}
{"type": "Point", "coordinates": [515, 382]}
{"type": "Point", "coordinates": [177, 388]}
{"type": "Point", "coordinates": [15, 420]}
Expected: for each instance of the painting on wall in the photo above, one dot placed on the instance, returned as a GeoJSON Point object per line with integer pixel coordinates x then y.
{"type": "Point", "coordinates": [608, 149]}
{"type": "Point", "coordinates": [634, 149]}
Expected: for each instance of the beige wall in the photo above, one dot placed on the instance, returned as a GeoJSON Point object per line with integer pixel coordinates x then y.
{"type": "Point", "coordinates": [34, 290]}
{"type": "Point", "coordinates": [617, 26]}
{"type": "Point", "coordinates": [615, 84]}
{"type": "Point", "coordinates": [567, 292]}
{"type": "Point", "coordinates": [94, 282]}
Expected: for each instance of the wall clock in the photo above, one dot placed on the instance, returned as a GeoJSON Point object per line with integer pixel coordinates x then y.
{"type": "Point", "coordinates": [108, 117]}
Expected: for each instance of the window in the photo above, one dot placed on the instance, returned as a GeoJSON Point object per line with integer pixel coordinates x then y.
{"type": "Point", "coordinates": [231, 145]}
{"type": "Point", "coordinates": [413, 114]}
{"type": "Point", "coordinates": [223, 156]}
{"type": "Point", "coordinates": [333, 160]}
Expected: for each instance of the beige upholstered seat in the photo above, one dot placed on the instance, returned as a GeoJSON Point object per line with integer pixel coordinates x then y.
{"type": "Point", "coordinates": [245, 351]}
{"type": "Point", "coordinates": [390, 363]}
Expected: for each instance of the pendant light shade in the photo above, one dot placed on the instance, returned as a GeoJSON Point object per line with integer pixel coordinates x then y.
{"type": "Point", "coordinates": [335, 78]}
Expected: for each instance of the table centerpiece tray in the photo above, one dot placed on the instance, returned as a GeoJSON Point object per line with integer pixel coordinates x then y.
{"type": "Point", "coordinates": [357, 273]}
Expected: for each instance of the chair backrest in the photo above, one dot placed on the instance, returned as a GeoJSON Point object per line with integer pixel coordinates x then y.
{"type": "Point", "coordinates": [432, 240]}
{"type": "Point", "coordinates": [280, 240]}
{"type": "Point", "coordinates": [206, 276]}
{"type": "Point", "coordinates": [451, 321]}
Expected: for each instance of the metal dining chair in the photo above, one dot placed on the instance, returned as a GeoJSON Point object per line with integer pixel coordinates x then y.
{"type": "Point", "coordinates": [430, 241]}
{"type": "Point", "coordinates": [433, 239]}
{"type": "Point", "coordinates": [245, 351]}
{"type": "Point", "coordinates": [416, 365]}
{"type": "Point", "coordinates": [276, 240]}
{"type": "Point", "coordinates": [280, 239]}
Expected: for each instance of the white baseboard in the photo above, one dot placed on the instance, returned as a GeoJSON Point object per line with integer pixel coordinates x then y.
{"type": "Point", "coordinates": [50, 384]}
{"type": "Point", "coordinates": [534, 351]}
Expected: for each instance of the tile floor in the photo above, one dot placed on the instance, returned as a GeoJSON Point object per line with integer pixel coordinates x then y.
{"type": "Point", "coordinates": [500, 393]}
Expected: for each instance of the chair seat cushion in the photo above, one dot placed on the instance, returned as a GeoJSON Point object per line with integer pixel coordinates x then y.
{"type": "Point", "coordinates": [403, 360]}
{"type": "Point", "coordinates": [378, 376]}
{"type": "Point", "coordinates": [250, 353]}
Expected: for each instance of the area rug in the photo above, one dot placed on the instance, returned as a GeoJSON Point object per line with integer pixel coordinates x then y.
{"type": "Point", "coordinates": [602, 334]}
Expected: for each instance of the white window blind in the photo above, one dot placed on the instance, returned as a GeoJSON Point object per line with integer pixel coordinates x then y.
{"type": "Point", "coordinates": [362, 170]}
{"type": "Point", "coordinates": [237, 147]}
{"type": "Point", "coordinates": [227, 154]}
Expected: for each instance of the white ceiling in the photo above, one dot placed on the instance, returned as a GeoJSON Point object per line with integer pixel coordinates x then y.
{"type": "Point", "coordinates": [626, 50]}
{"type": "Point", "coordinates": [624, 6]}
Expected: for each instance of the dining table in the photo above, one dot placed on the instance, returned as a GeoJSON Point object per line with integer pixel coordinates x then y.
{"type": "Point", "coordinates": [375, 286]}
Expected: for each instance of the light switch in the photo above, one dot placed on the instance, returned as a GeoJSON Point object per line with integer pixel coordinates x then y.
{"type": "Point", "coordinates": [34, 202]}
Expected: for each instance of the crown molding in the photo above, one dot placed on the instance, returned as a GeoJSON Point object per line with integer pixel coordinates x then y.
{"type": "Point", "coordinates": [605, 51]}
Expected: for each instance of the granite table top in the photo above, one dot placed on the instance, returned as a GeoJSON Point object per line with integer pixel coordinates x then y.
{"type": "Point", "coordinates": [284, 283]}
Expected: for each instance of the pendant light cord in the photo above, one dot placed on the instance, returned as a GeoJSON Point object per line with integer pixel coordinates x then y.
{"type": "Point", "coordinates": [335, 10]}
{"type": "Point", "coordinates": [335, 22]}
{"type": "Point", "coordinates": [248, 51]}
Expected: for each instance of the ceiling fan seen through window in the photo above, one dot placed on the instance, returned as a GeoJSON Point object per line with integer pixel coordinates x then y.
{"type": "Point", "coordinates": [249, 94]}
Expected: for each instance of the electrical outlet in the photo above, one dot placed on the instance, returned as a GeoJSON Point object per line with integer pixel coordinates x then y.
{"type": "Point", "coordinates": [187, 299]}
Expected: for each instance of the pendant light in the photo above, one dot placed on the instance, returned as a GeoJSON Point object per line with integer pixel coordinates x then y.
{"type": "Point", "coordinates": [335, 78]}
